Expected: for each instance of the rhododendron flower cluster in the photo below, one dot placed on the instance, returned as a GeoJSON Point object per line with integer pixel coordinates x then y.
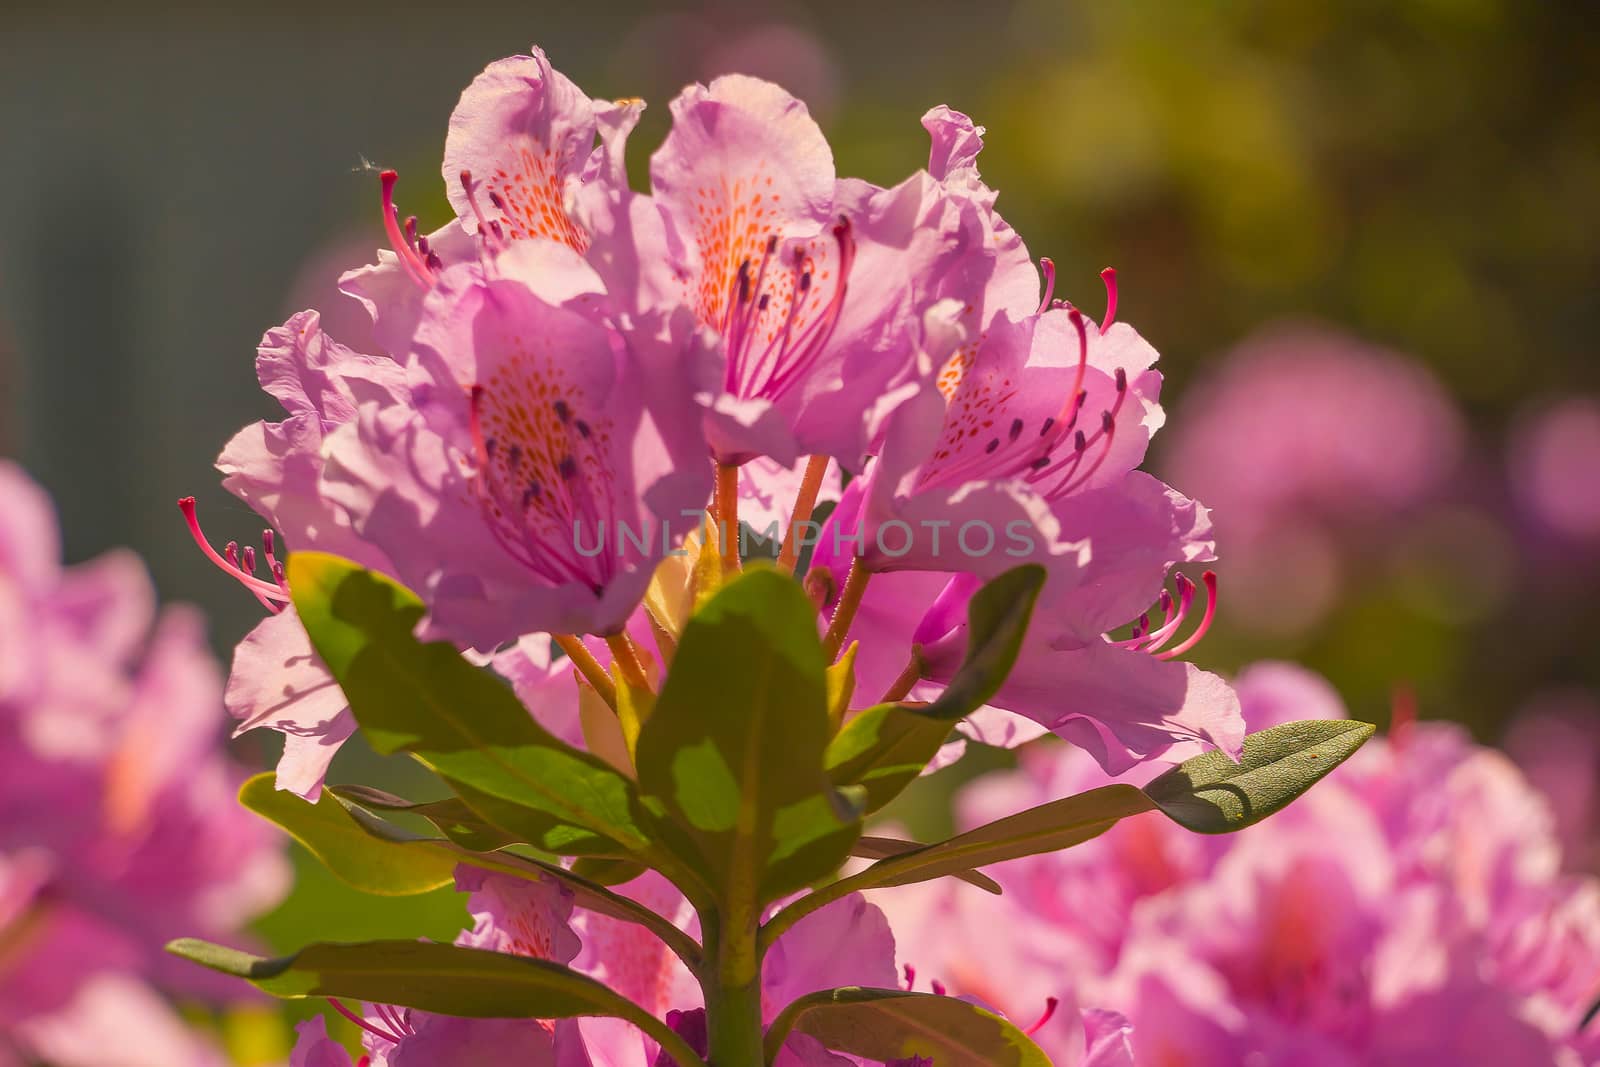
{"type": "Point", "coordinates": [1412, 909]}
{"type": "Point", "coordinates": [118, 829]}
{"type": "Point", "coordinates": [561, 356]}
{"type": "Point", "coordinates": [584, 397]}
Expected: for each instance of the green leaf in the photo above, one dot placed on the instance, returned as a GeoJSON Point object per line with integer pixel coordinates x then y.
{"type": "Point", "coordinates": [733, 749]}
{"type": "Point", "coordinates": [447, 979]}
{"type": "Point", "coordinates": [997, 621]}
{"type": "Point", "coordinates": [327, 830]}
{"type": "Point", "coordinates": [1047, 828]}
{"type": "Point", "coordinates": [885, 1025]}
{"type": "Point", "coordinates": [886, 747]}
{"type": "Point", "coordinates": [1211, 794]}
{"type": "Point", "coordinates": [444, 979]}
{"type": "Point", "coordinates": [878, 848]}
{"type": "Point", "coordinates": [450, 816]}
{"type": "Point", "coordinates": [606, 871]}
{"type": "Point", "coordinates": [586, 892]}
{"type": "Point", "coordinates": [459, 720]}
{"type": "Point", "coordinates": [841, 679]}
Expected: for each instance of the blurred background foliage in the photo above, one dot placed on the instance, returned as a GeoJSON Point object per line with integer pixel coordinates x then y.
{"type": "Point", "coordinates": [1421, 175]}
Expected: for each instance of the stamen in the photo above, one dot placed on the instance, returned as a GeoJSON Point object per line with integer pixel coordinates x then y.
{"type": "Point", "coordinates": [911, 978]}
{"type": "Point", "coordinates": [1069, 478]}
{"type": "Point", "coordinates": [515, 504]}
{"type": "Point", "coordinates": [1067, 417]}
{"type": "Point", "coordinates": [409, 260]}
{"type": "Point", "coordinates": [398, 1018]}
{"type": "Point", "coordinates": [790, 353]}
{"type": "Point", "coordinates": [1050, 1005]}
{"type": "Point", "coordinates": [1210, 580]}
{"type": "Point", "coordinates": [1109, 277]}
{"type": "Point", "coordinates": [1174, 613]}
{"type": "Point", "coordinates": [938, 987]}
{"type": "Point", "coordinates": [1047, 265]}
{"type": "Point", "coordinates": [264, 591]}
{"type": "Point", "coordinates": [489, 229]}
{"type": "Point", "coordinates": [338, 1006]}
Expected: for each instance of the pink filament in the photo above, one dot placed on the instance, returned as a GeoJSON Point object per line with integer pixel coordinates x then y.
{"type": "Point", "coordinates": [1109, 276]}
{"type": "Point", "coordinates": [338, 1006]}
{"type": "Point", "coordinates": [272, 596]}
{"type": "Point", "coordinates": [1175, 612]}
{"type": "Point", "coordinates": [413, 264]}
{"type": "Point", "coordinates": [773, 368]}
{"type": "Point", "coordinates": [1210, 580]}
{"type": "Point", "coordinates": [1050, 1006]}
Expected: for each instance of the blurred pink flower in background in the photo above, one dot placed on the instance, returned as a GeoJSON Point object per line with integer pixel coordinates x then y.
{"type": "Point", "coordinates": [1410, 909]}
{"type": "Point", "coordinates": [1554, 461]}
{"type": "Point", "coordinates": [666, 51]}
{"type": "Point", "coordinates": [1555, 739]}
{"type": "Point", "coordinates": [1304, 442]}
{"type": "Point", "coordinates": [118, 824]}
{"type": "Point", "coordinates": [316, 285]}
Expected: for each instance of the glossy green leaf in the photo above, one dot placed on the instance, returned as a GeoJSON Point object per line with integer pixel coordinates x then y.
{"type": "Point", "coordinates": [733, 749]}
{"type": "Point", "coordinates": [888, 1025]}
{"type": "Point", "coordinates": [445, 979]}
{"type": "Point", "coordinates": [603, 871]}
{"type": "Point", "coordinates": [879, 848]}
{"type": "Point", "coordinates": [886, 747]}
{"type": "Point", "coordinates": [460, 720]}
{"type": "Point", "coordinates": [997, 621]}
{"type": "Point", "coordinates": [586, 893]}
{"type": "Point", "coordinates": [327, 830]}
{"type": "Point", "coordinates": [1211, 794]}
{"type": "Point", "coordinates": [1047, 828]}
{"type": "Point", "coordinates": [451, 816]}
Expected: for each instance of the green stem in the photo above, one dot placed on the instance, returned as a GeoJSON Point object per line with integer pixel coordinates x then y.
{"type": "Point", "coordinates": [732, 987]}
{"type": "Point", "coordinates": [734, 1022]}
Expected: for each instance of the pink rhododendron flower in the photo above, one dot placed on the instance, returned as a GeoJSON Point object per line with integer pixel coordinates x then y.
{"type": "Point", "coordinates": [520, 146]}
{"type": "Point", "coordinates": [1108, 534]}
{"type": "Point", "coordinates": [1408, 909]}
{"type": "Point", "coordinates": [535, 478]}
{"type": "Point", "coordinates": [118, 827]}
{"type": "Point", "coordinates": [813, 286]}
{"type": "Point", "coordinates": [1304, 441]}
